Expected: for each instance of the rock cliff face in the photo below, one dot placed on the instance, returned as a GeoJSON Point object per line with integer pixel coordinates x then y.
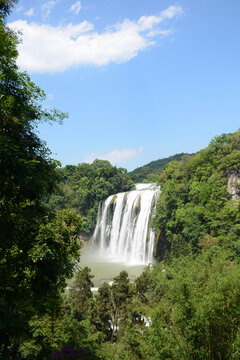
{"type": "Point", "coordinates": [234, 185]}
{"type": "Point", "coordinates": [161, 245]}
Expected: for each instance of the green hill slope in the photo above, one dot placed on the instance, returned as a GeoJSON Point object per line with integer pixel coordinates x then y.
{"type": "Point", "coordinates": [148, 171]}
{"type": "Point", "coordinates": [199, 197]}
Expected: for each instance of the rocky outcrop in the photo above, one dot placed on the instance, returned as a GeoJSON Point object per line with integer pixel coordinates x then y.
{"type": "Point", "coordinates": [233, 185]}
{"type": "Point", "coordinates": [85, 237]}
{"type": "Point", "coordinates": [161, 246]}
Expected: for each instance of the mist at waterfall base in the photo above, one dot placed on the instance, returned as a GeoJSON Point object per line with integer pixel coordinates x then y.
{"type": "Point", "coordinates": [123, 238]}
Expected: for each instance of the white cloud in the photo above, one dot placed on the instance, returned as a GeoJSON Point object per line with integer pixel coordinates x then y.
{"type": "Point", "coordinates": [171, 12]}
{"type": "Point", "coordinates": [116, 156]}
{"type": "Point", "coordinates": [148, 22]}
{"type": "Point", "coordinates": [75, 8]}
{"type": "Point", "coordinates": [162, 33]}
{"type": "Point", "coordinates": [50, 49]}
{"type": "Point", "coordinates": [30, 12]}
{"type": "Point", "coordinates": [47, 7]}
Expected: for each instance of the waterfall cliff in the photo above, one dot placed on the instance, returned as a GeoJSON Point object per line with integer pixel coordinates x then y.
{"type": "Point", "coordinates": [123, 232]}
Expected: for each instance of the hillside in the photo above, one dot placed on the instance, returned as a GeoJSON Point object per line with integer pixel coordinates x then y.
{"type": "Point", "coordinates": [148, 171]}
{"type": "Point", "coordinates": [199, 198]}
{"type": "Point", "coordinates": [82, 187]}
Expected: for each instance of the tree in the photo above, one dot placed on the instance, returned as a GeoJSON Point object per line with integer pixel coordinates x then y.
{"type": "Point", "coordinates": [81, 296]}
{"type": "Point", "coordinates": [195, 201]}
{"type": "Point", "coordinates": [112, 305]}
{"type": "Point", "coordinates": [38, 247]}
{"type": "Point", "coordinates": [85, 185]}
{"type": "Point", "coordinates": [196, 312]}
{"type": "Point", "coordinates": [105, 313]}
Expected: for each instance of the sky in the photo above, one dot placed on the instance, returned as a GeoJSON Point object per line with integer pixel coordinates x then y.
{"type": "Point", "coordinates": [141, 80]}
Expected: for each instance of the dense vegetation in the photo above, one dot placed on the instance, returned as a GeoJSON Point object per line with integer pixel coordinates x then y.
{"type": "Point", "coordinates": [150, 172]}
{"type": "Point", "coordinates": [195, 205]}
{"type": "Point", "coordinates": [84, 185]}
{"type": "Point", "coordinates": [38, 247]}
{"type": "Point", "coordinates": [185, 308]}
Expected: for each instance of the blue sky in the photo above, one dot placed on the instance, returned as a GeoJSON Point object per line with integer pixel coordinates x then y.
{"type": "Point", "coordinates": [141, 80]}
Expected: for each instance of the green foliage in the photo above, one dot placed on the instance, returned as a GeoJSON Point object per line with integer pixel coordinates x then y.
{"type": "Point", "coordinates": [196, 315]}
{"type": "Point", "coordinates": [51, 334]}
{"type": "Point", "coordinates": [185, 309]}
{"type": "Point", "coordinates": [81, 297]}
{"type": "Point", "coordinates": [105, 311]}
{"type": "Point", "coordinates": [194, 201]}
{"type": "Point", "coordinates": [113, 306]}
{"type": "Point", "coordinates": [85, 185]}
{"type": "Point", "coordinates": [38, 247]}
{"type": "Point", "coordinates": [5, 7]}
{"type": "Point", "coordinates": [149, 172]}
{"type": "Point", "coordinates": [192, 306]}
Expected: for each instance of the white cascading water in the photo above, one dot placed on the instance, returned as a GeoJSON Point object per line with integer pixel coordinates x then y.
{"type": "Point", "coordinates": [123, 232]}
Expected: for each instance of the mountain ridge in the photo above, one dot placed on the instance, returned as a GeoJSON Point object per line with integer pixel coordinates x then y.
{"type": "Point", "coordinates": [149, 171]}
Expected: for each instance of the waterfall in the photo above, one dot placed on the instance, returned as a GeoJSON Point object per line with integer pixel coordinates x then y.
{"type": "Point", "coordinates": [123, 232]}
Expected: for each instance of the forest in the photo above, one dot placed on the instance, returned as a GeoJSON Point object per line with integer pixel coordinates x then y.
{"type": "Point", "coordinates": [83, 186]}
{"type": "Point", "coordinates": [185, 307]}
{"type": "Point", "coordinates": [150, 172]}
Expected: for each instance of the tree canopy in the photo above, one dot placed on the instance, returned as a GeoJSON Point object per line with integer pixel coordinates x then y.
{"type": "Point", "coordinates": [184, 308]}
{"type": "Point", "coordinates": [85, 185]}
{"type": "Point", "coordinates": [195, 205]}
{"type": "Point", "coordinates": [38, 247]}
{"type": "Point", "coordinates": [150, 171]}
